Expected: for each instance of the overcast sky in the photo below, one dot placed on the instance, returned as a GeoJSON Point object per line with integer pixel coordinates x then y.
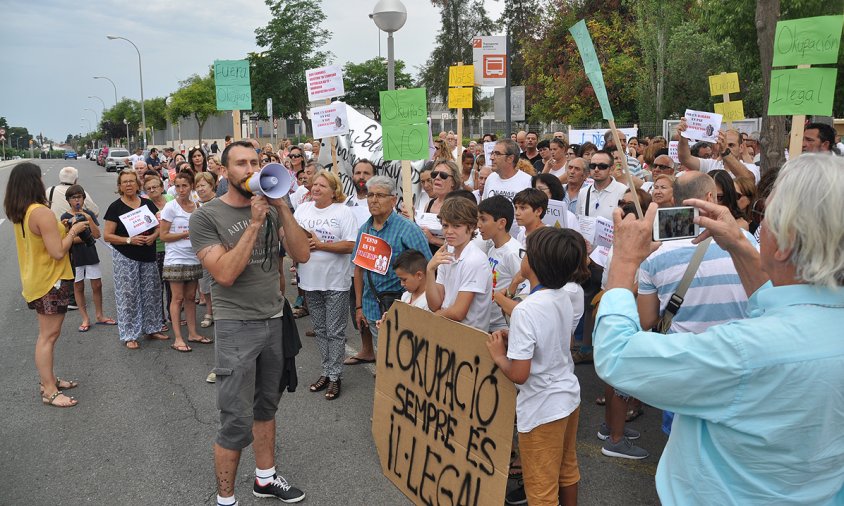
{"type": "Point", "coordinates": [51, 49]}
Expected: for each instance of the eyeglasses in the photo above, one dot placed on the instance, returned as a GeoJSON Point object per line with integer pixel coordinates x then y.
{"type": "Point", "coordinates": [294, 156]}
{"type": "Point", "coordinates": [522, 253]}
{"type": "Point", "coordinates": [720, 197]}
{"type": "Point", "coordinates": [440, 174]}
{"type": "Point", "coordinates": [662, 167]}
{"type": "Point", "coordinates": [153, 187]}
{"type": "Point", "coordinates": [378, 196]}
{"type": "Point", "coordinates": [497, 153]}
{"type": "Point", "coordinates": [599, 166]}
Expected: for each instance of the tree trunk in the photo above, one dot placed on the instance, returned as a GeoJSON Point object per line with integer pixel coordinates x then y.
{"type": "Point", "coordinates": [199, 125]}
{"type": "Point", "coordinates": [773, 136]}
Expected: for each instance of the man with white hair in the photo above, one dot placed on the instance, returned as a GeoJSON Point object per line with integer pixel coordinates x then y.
{"type": "Point", "coordinates": [68, 177]}
{"type": "Point", "coordinates": [758, 401]}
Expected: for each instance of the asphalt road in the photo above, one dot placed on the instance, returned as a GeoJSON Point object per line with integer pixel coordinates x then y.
{"type": "Point", "coordinates": [142, 431]}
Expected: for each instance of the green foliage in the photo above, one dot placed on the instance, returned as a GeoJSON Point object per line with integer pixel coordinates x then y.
{"type": "Point", "coordinates": [127, 109]}
{"type": "Point", "coordinates": [364, 81]}
{"type": "Point", "coordinates": [292, 39]}
{"type": "Point", "coordinates": [195, 97]}
{"type": "Point", "coordinates": [520, 18]}
{"type": "Point", "coordinates": [156, 112]}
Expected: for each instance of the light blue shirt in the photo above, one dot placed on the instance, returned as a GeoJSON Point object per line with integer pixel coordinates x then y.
{"type": "Point", "coordinates": [759, 402]}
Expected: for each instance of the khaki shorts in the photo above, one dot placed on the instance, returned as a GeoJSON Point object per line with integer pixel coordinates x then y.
{"type": "Point", "coordinates": [549, 459]}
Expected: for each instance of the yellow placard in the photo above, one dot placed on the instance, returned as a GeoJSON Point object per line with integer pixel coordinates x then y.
{"type": "Point", "coordinates": [461, 75]}
{"type": "Point", "coordinates": [460, 98]}
{"type": "Point", "coordinates": [732, 111]}
{"type": "Point", "coordinates": [724, 83]}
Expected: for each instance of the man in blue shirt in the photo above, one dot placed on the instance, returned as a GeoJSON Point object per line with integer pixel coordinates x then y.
{"type": "Point", "coordinates": [758, 402]}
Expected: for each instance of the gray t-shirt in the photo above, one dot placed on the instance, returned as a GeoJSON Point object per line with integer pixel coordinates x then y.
{"type": "Point", "coordinates": [255, 294]}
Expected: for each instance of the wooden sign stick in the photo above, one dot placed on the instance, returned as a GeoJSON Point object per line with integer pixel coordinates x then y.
{"type": "Point", "coordinates": [798, 123]}
{"type": "Point", "coordinates": [237, 135]}
{"type": "Point", "coordinates": [459, 129]}
{"type": "Point", "coordinates": [333, 145]}
{"type": "Point", "coordinates": [726, 101]}
{"type": "Point", "coordinates": [407, 187]}
{"type": "Point", "coordinates": [623, 157]}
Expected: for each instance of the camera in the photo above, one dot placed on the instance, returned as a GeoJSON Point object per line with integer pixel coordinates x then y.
{"type": "Point", "coordinates": [86, 236]}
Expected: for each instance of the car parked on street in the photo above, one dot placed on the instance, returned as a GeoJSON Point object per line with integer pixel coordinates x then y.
{"type": "Point", "coordinates": [68, 154]}
{"type": "Point", "coordinates": [117, 159]}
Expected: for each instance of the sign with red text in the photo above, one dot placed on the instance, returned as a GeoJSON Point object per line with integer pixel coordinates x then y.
{"type": "Point", "coordinates": [702, 125]}
{"type": "Point", "coordinates": [329, 120]}
{"type": "Point", "coordinates": [324, 83]}
{"type": "Point", "coordinates": [138, 221]}
{"type": "Point", "coordinates": [373, 254]}
{"type": "Point", "coordinates": [443, 411]}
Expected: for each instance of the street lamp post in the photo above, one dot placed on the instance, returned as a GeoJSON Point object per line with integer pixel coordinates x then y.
{"type": "Point", "coordinates": [141, 73]}
{"type": "Point", "coordinates": [126, 122]}
{"type": "Point", "coordinates": [389, 16]}
{"type": "Point", "coordinates": [112, 84]}
{"type": "Point", "coordinates": [96, 118]}
{"type": "Point", "coordinates": [89, 123]}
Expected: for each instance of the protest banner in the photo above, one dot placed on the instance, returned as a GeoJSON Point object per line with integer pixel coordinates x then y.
{"type": "Point", "coordinates": [373, 254]}
{"type": "Point", "coordinates": [596, 135]}
{"type": "Point", "coordinates": [587, 227]}
{"type": "Point", "coordinates": [807, 41]}
{"type": "Point", "coordinates": [404, 117]}
{"type": "Point", "coordinates": [138, 220]}
{"type": "Point", "coordinates": [329, 120]}
{"type": "Point", "coordinates": [722, 83]}
{"type": "Point", "coordinates": [443, 411]}
{"type": "Point", "coordinates": [233, 89]}
{"type": "Point", "coordinates": [461, 75]}
{"type": "Point", "coordinates": [324, 83]}
{"type": "Point", "coordinates": [802, 91]}
{"type": "Point", "coordinates": [489, 59]}
{"type": "Point", "coordinates": [702, 125]}
{"type": "Point", "coordinates": [460, 98]}
{"type": "Point", "coordinates": [730, 111]}
{"type": "Point", "coordinates": [461, 81]}
{"type": "Point", "coordinates": [603, 232]}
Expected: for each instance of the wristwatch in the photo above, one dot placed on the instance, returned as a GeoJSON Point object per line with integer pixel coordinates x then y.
{"type": "Point", "coordinates": [128, 240]}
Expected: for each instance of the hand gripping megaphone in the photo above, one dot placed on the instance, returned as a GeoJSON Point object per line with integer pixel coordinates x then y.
{"type": "Point", "coordinates": [273, 181]}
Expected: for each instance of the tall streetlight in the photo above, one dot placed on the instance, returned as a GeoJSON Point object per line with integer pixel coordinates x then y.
{"type": "Point", "coordinates": [101, 101]}
{"type": "Point", "coordinates": [141, 73]}
{"type": "Point", "coordinates": [112, 84]}
{"type": "Point", "coordinates": [89, 123]}
{"type": "Point", "coordinates": [95, 116]}
{"type": "Point", "coordinates": [389, 16]}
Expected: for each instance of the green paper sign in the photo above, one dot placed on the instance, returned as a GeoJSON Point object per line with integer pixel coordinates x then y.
{"type": "Point", "coordinates": [802, 91]}
{"type": "Point", "coordinates": [592, 66]}
{"type": "Point", "coordinates": [404, 120]}
{"type": "Point", "coordinates": [234, 98]}
{"type": "Point", "coordinates": [807, 41]}
{"type": "Point", "coordinates": [231, 72]}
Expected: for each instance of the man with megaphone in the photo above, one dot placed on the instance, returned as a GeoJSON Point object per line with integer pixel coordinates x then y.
{"type": "Point", "coordinates": [236, 238]}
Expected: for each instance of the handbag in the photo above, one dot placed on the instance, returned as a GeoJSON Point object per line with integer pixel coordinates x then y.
{"type": "Point", "coordinates": [677, 298]}
{"type": "Point", "coordinates": [386, 298]}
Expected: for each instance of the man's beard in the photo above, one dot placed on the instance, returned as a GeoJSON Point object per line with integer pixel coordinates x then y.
{"type": "Point", "coordinates": [240, 189]}
{"type": "Point", "coordinates": [360, 186]}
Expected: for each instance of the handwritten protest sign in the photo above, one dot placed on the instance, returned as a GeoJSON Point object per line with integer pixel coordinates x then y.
{"type": "Point", "coordinates": [592, 66]}
{"type": "Point", "coordinates": [373, 254]}
{"type": "Point", "coordinates": [702, 125]}
{"type": "Point", "coordinates": [802, 91]}
{"type": "Point", "coordinates": [404, 115]}
{"type": "Point", "coordinates": [231, 80]}
{"type": "Point", "coordinates": [731, 111]}
{"type": "Point", "coordinates": [443, 412]}
{"type": "Point", "coordinates": [724, 83]}
{"type": "Point", "coordinates": [324, 83]}
{"type": "Point", "coordinates": [461, 75]}
{"type": "Point", "coordinates": [587, 227]}
{"type": "Point", "coordinates": [329, 120]}
{"type": "Point", "coordinates": [460, 98]}
{"type": "Point", "coordinates": [138, 221]}
{"type": "Point", "coordinates": [807, 41]}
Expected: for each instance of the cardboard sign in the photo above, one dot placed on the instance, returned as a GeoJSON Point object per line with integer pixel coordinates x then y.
{"type": "Point", "coordinates": [443, 412]}
{"type": "Point", "coordinates": [231, 80]}
{"type": "Point", "coordinates": [461, 75]}
{"type": "Point", "coordinates": [489, 59]}
{"type": "Point", "coordinates": [702, 125]}
{"type": "Point", "coordinates": [723, 83]}
{"type": "Point", "coordinates": [404, 117]}
{"type": "Point", "coordinates": [555, 215]}
{"type": "Point", "coordinates": [673, 151]}
{"type": "Point", "coordinates": [460, 98]}
{"type": "Point", "coordinates": [373, 254]}
{"type": "Point", "coordinates": [592, 66]}
{"type": "Point", "coordinates": [802, 91]}
{"type": "Point", "coordinates": [138, 221]}
{"type": "Point", "coordinates": [807, 41]}
{"type": "Point", "coordinates": [603, 232]}
{"type": "Point", "coordinates": [324, 83]}
{"type": "Point", "coordinates": [731, 111]}
{"type": "Point", "coordinates": [329, 120]}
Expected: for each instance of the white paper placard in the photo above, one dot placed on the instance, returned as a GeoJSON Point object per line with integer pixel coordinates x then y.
{"type": "Point", "coordinates": [702, 125]}
{"type": "Point", "coordinates": [329, 120]}
{"type": "Point", "coordinates": [587, 227]}
{"type": "Point", "coordinates": [603, 232]}
{"type": "Point", "coordinates": [324, 83]}
{"type": "Point", "coordinates": [556, 214]}
{"type": "Point", "coordinates": [672, 151]}
{"type": "Point", "coordinates": [489, 147]}
{"type": "Point", "coordinates": [138, 221]}
{"type": "Point", "coordinates": [600, 256]}
{"type": "Point", "coordinates": [431, 222]}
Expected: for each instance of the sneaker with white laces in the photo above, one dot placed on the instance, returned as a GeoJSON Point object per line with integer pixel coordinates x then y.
{"type": "Point", "coordinates": [517, 495]}
{"type": "Point", "coordinates": [623, 449]}
{"type": "Point", "coordinates": [604, 433]}
{"type": "Point", "coordinates": [278, 488]}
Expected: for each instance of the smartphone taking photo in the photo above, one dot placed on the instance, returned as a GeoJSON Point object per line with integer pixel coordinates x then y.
{"type": "Point", "coordinates": [674, 223]}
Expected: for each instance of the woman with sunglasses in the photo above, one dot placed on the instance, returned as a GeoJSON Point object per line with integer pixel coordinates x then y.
{"type": "Point", "coordinates": [198, 160]}
{"type": "Point", "coordinates": [445, 179]}
{"type": "Point", "coordinates": [297, 158]}
{"type": "Point", "coordinates": [137, 288]}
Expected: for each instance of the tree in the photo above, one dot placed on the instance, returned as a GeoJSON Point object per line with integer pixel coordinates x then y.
{"type": "Point", "coordinates": [195, 97]}
{"type": "Point", "coordinates": [364, 82]}
{"type": "Point", "coordinates": [773, 136]}
{"type": "Point", "coordinates": [520, 17]}
{"type": "Point", "coordinates": [460, 21]}
{"type": "Point", "coordinates": [292, 39]}
{"type": "Point", "coordinates": [127, 109]}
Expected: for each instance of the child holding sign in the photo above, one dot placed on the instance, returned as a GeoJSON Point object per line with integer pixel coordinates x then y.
{"type": "Point", "coordinates": [534, 357]}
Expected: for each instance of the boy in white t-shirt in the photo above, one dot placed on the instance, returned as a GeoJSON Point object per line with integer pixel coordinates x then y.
{"type": "Point", "coordinates": [530, 205]}
{"type": "Point", "coordinates": [410, 268]}
{"type": "Point", "coordinates": [533, 355]}
{"type": "Point", "coordinates": [495, 217]}
{"type": "Point", "coordinates": [459, 282]}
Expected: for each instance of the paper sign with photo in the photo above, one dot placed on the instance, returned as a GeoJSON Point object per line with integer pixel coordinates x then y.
{"type": "Point", "coordinates": [373, 254]}
{"type": "Point", "coordinates": [329, 120]}
{"type": "Point", "coordinates": [138, 221]}
{"type": "Point", "coordinates": [702, 125]}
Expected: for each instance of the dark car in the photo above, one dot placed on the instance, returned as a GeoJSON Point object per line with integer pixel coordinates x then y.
{"type": "Point", "coordinates": [70, 154]}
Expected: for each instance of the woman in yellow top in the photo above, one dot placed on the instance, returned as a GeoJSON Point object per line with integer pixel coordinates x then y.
{"type": "Point", "coordinates": [43, 244]}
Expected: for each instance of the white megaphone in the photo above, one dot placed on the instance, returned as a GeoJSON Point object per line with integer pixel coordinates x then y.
{"type": "Point", "coordinates": [273, 181]}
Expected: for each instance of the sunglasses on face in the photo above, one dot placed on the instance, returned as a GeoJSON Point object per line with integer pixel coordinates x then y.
{"type": "Point", "coordinates": [294, 156]}
{"type": "Point", "coordinates": [599, 166]}
{"type": "Point", "coordinates": [658, 166]}
{"type": "Point", "coordinates": [440, 174]}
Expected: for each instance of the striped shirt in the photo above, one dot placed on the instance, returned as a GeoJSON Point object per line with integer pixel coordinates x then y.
{"type": "Point", "coordinates": [716, 294]}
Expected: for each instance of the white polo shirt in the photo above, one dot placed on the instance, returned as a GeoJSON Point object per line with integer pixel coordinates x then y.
{"type": "Point", "coordinates": [708, 164]}
{"type": "Point", "coordinates": [594, 202]}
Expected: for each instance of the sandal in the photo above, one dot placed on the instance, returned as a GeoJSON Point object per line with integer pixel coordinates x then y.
{"type": "Point", "coordinates": [300, 312]}
{"type": "Point", "coordinates": [132, 345]}
{"type": "Point", "coordinates": [67, 386]}
{"type": "Point", "coordinates": [181, 348]}
{"type": "Point", "coordinates": [204, 340]}
{"type": "Point", "coordinates": [51, 401]}
{"type": "Point", "coordinates": [84, 328]}
{"type": "Point", "coordinates": [633, 414]}
{"type": "Point", "coordinates": [601, 400]}
{"type": "Point", "coordinates": [207, 321]}
{"type": "Point", "coordinates": [333, 391]}
{"type": "Point", "coordinates": [320, 384]}
{"type": "Point", "coordinates": [157, 336]}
